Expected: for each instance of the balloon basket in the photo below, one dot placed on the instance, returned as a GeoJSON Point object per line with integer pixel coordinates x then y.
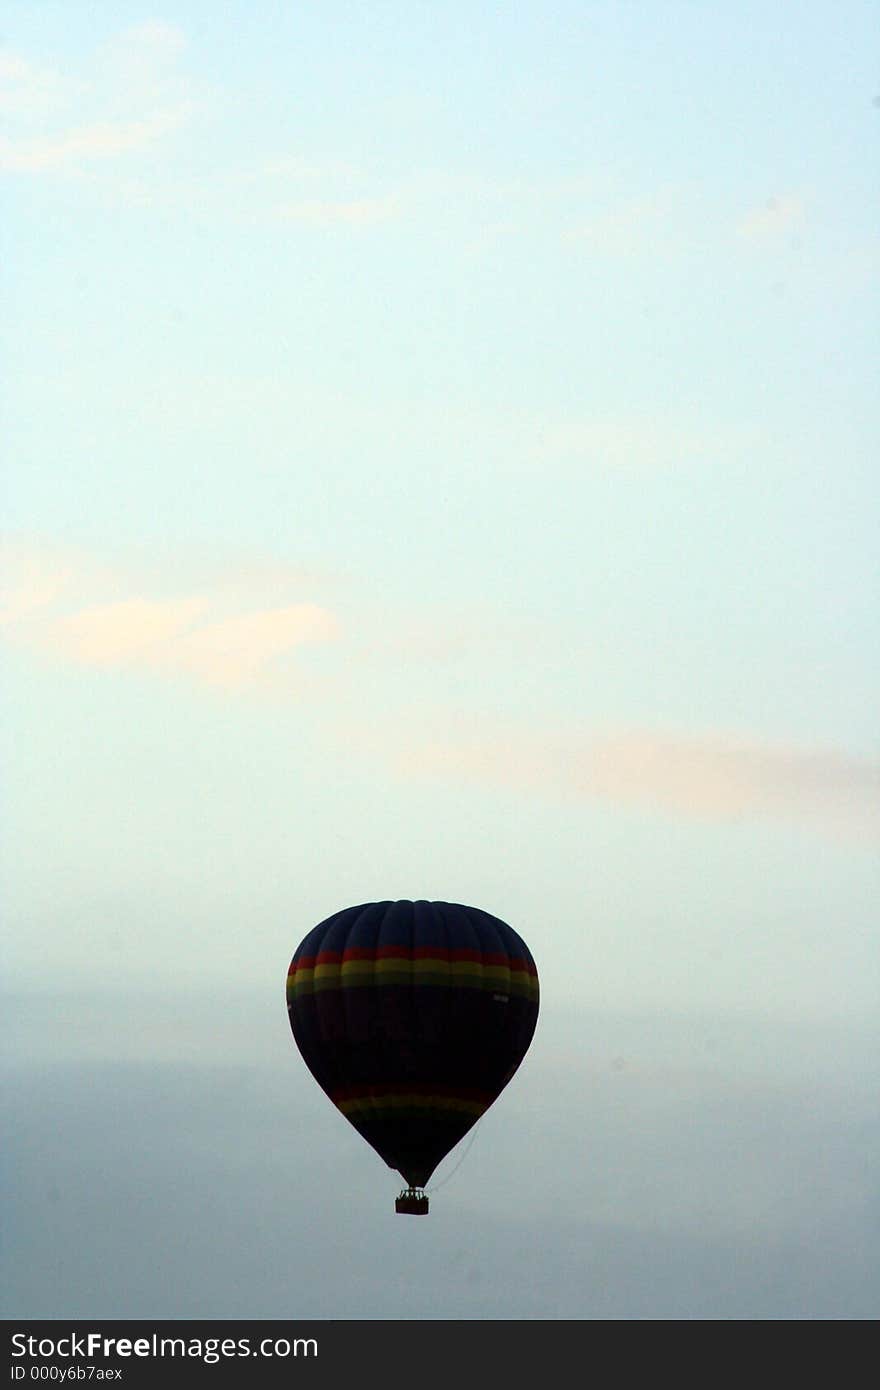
{"type": "Point", "coordinates": [412, 1202]}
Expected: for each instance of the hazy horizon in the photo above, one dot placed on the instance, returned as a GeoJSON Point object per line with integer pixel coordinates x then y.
{"type": "Point", "coordinates": [164, 1163]}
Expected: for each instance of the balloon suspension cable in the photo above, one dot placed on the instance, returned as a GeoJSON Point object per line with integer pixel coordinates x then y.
{"type": "Point", "coordinates": [435, 1187]}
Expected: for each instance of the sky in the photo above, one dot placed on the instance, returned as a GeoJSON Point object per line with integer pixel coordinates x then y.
{"type": "Point", "coordinates": [440, 462]}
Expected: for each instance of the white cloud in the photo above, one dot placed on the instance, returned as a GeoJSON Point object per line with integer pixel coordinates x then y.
{"type": "Point", "coordinates": [87, 144]}
{"type": "Point", "coordinates": [773, 219]}
{"type": "Point", "coordinates": [129, 96]}
{"type": "Point", "coordinates": [713, 777]}
{"type": "Point", "coordinates": [239, 650]}
{"type": "Point", "coordinates": [130, 631]}
{"type": "Point", "coordinates": [624, 228]}
{"type": "Point", "coordinates": [227, 634]}
{"type": "Point", "coordinates": [156, 37]}
{"type": "Point", "coordinates": [27, 90]}
{"type": "Point", "coordinates": [352, 212]}
{"type": "Point", "coordinates": [631, 443]}
{"type": "Point", "coordinates": [31, 578]}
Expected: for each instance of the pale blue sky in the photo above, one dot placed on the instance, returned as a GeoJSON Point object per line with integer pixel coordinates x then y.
{"type": "Point", "coordinates": [441, 462]}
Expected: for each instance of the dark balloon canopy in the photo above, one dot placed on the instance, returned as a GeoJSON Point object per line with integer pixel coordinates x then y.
{"type": "Point", "coordinates": [412, 1017]}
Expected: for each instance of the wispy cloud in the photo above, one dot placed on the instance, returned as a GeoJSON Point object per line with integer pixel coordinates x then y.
{"type": "Point", "coordinates": [131, 631]}
{"type": "Point", "coordinates": [28, 90]}
{"type": "Point", "coordinates": [773, 220]}
{"type": "Point", "coordinates": [351, 212]}
{"type": "Point", "coordinates": [129, 97]}
{"type": "Point", "coordinates": [152, 42]}
{"type": "Point", "coordinates": [31, 578]}
{"type": "Point", "coordinates": [240, 650]}
{"type": "Point", "coordinates": [624, 228]}
{"type": "Point", "coordinates": [633, 443]}
{"type": "Point", "coordinates": [706, 778]}
{"type": "Point", "coordinates": [240, 631]}
{"type": "Point", "coordinates": [217, 636]}
{"type": "Point", "coordinates": [84, 145]}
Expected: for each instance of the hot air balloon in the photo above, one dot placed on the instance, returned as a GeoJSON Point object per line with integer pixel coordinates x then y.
{"type": "Point", "coordinates": [412, 1017]}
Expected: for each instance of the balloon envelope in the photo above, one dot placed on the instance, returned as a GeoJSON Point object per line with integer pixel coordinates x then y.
{"type": "Point", "coordinates": [412, 1017]}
